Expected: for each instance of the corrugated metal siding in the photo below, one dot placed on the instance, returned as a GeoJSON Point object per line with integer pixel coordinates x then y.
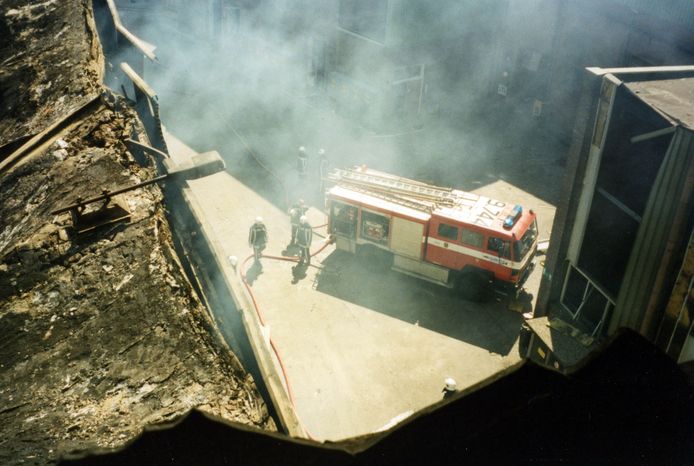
{"type": "Point", "coordinates": [652, 235]}
{"type": "Point", "coordinates": [677, 11]}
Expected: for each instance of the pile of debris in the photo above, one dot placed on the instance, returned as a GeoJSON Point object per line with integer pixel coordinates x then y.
{"type": "Point", "coordinates": [102, 333]}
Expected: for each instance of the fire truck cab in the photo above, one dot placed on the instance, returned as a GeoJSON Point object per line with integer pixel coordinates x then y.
{"type": "Point", "coordinates": [442, 235]}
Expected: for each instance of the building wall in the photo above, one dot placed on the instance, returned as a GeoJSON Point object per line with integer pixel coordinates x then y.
{"type": "Point", "coordinates": [570, 35]}
{"type": "Point", "coordinates": [659, 247]}
{"type": "Point", "coordinates": [677, 327]}
{"type": "Point", "coordinates": [526, 56]}
{"type": "Point", "coordinates": [424, 58]}
{"type": "Point", "coordinates": [619, 242]}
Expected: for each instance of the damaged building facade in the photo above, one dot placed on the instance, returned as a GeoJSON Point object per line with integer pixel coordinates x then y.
{"type": "Point", "coordinates": [621, 250]}
{"type": "Point", "coordinates": [544, 46]}
{"type": "Point", "coordinates": [386, 61]}
{"type": "Point", "coordinates": [369, 60]}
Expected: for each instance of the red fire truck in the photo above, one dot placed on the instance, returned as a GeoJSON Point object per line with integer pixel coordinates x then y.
{"type": "Point", "coordinates": [446, 236]}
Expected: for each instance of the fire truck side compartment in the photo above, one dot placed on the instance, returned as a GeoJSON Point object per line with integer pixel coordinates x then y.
{"type": "Point", "coordinates": [421, 269]}
{"type": "Point", "coordinates": [408, 238]}
{"type": "Point", "coordinates": [342, 222]}
{"type": "Point", "coordinates": [374, 228]}
{"type": "Point", "coordinates": [345, 244]}
{"type": "Point", "coordinates": [408, 242]}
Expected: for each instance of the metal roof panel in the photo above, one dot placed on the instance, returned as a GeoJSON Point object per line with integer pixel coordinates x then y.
{"type": "Point", "coordinates": [673, 98]}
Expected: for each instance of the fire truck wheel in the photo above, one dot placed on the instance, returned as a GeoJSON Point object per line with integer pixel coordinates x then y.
{"type": "Point", "coordinates": [374, 258]}
{"type": "Point", "coordinates": [473, 286]}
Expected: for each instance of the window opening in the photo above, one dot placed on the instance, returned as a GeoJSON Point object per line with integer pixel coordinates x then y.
{"type": "Point", "coordinates": [472, 238]}
{"type": "Point", "coordinates": [586, 302]}
{"type": "Point", "coordinates": [500, 247]}
{"type": "Point", "coordinates": [448, 231]}
{"type": "Point", "coordinates": [522, 247]}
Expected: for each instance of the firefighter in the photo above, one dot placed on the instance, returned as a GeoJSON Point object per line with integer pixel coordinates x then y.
{"type": "Point", "coordinates": [257, 239]}
{"type": "Point", "coordinates": [322, 169]}
{"type": "Point", "coordinates": [302, 162]}
{"type": "Point", "coordinates": [304, 237]}
{"type": "Point", "coordinates": [296, 211]}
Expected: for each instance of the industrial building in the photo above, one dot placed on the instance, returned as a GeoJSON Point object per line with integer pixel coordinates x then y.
{"type": "Point", "coordinates": [403, 60]}
{"type": "Point", "coordinates": [621, 253]}
{"type": "Point", "coordinates": [544, 46]}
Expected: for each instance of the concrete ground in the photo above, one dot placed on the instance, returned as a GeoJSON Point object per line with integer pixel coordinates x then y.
{"type": "Point", "coordinates": [361, 348]}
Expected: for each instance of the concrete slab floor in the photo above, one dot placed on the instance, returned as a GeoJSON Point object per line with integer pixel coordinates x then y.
{"type": "Point", "coordinates": [361, 347]}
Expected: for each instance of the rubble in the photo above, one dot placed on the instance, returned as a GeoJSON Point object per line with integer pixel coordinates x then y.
{"type": "Point", "coordinates": [102, 333]}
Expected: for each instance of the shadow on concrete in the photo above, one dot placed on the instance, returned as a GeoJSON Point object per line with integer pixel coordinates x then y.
{"type": "Point", "coordinates": [291, 250]}
{"type": "Point", "coordinates": [629, 404]}
{"type": "Point", "coordinates": [253, 272]}
{"type": "Point", "coordinates": [489, 325]}
{"type": "Point", "coordinates": [299, 273]}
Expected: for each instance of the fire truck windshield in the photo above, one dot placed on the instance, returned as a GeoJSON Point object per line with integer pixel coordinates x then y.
{"type": "Point", "coordinates": [523, 246]}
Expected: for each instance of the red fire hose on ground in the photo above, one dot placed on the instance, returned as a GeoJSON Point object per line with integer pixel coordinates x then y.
{"type": "Point", "coordinates": [261, 317]}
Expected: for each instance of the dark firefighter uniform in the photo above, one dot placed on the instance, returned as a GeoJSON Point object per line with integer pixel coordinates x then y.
{"type": "Point", "coordinates": [297, 211]}
{"type": "Point", "coordinates": [303, 238]}
{"type": "Point", "coordinates": [302, 162]}
{"type": "Point", "coordinates": [322, 170]}
{"type": "Point", "coordinates": [257, 238]}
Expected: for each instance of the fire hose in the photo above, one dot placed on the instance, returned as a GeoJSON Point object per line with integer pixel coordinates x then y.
{"type": "Point", "coordinates": [261, 317]}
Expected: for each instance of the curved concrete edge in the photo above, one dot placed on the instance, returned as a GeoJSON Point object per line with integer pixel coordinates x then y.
{"type": "Point", "coordinates": [356, 445]}
{"type": "Point", "coordinates": [258, 335]}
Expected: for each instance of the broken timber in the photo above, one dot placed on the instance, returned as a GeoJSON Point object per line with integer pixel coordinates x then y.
{"type": "Point", "coordinates": [111, 211]}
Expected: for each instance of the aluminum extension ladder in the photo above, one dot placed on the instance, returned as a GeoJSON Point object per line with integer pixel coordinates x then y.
{"type": "Point", "coordinates": [413, 203]}
{"type": "Point", "coordinates": [393, 185]}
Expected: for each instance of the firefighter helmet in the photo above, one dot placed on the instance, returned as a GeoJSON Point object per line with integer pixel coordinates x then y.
{"type": "Point", "coordinates": [302, 149]}
{"type": "Point", "coordinates": [258, 220]}
{"type": "Point", "coordinates": [450, 386]}
{"type": "Point", "coordinates": [303, 220]}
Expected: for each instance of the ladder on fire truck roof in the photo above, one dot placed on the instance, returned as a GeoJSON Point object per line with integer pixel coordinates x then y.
{"type": "Point", "coordinates": [413, 203]}
{"type": "Point", "coordinates": [395, 186]}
